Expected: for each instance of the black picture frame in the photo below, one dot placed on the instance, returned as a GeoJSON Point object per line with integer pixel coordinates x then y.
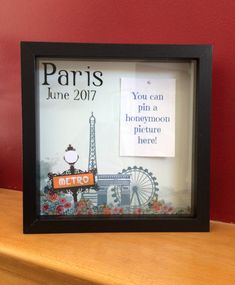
{"type": "Point", "coordinates": [202, 54]}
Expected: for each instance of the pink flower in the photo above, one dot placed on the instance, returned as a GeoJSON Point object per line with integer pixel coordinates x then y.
{"type": "Point", "coordinates": [90, 212]}
{"type": "Point", "coordinates": [168, 210]}
{"type": "Point", "coordinates": [115, 210]}
{"type": "Point", "coordinates": [138, 211]}
{"type": "Point", "coordinates": [82, 204]}
{"type": "Point", "coordinates": [79, 212]}
{"type": "Point", "coordinates": [59, 210]}
{"type": "Point", "coordinates": [118, 211]}
{"type": "Point", "coordinates": [121, 210]}
{"type": "Point", "coordinates": [45, 207]}
{"type": "Point", "coordinates": [156, 206]}
{"type": "Point", "coordinates": [53, 197]}
{"type": "Point", "coordinates": [67, 205]}
{"type": "Point", "coordinates": [63, 200]}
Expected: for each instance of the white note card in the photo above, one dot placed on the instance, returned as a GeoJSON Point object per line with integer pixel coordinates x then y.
{"type": "Point", "coordinates": [147, 117]}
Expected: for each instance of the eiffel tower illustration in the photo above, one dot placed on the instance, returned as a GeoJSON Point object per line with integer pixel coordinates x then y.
{"type": "Point", "coordinates": [91, 192]}
{"type": "Point", "coordinates": [92, 163]}
{"type": "Point", "coordinates": [104, 181]}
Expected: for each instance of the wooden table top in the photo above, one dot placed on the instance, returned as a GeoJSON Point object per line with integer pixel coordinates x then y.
{"type": "Point", "coordinates": [112, 258]}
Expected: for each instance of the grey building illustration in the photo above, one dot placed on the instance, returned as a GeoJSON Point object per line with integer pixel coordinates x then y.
{"type": "Point", "coordinates": [107, 181]}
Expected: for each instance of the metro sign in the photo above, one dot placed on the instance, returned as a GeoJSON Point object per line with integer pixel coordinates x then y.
{"type": "Point", "coordinates": [73, 180]}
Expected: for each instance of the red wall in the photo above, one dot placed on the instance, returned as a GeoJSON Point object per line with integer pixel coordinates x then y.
{"type": "Point", "coordinates": [124, 21]}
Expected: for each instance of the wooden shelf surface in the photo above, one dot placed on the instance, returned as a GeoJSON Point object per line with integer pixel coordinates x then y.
{"type": "Point", "coordinates": [112, 258]}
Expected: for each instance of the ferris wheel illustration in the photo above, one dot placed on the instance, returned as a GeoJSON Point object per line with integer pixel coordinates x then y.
{"type": "Point", "coordinates": [143, 187]}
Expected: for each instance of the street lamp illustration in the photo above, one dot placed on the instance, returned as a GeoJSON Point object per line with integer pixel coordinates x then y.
{"type": "Point", "coordinates": [71, 157]}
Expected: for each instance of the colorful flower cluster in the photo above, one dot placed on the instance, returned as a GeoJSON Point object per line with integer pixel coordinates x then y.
{"type": "Point", "coordinates": [84, 207]}
{"type": "Point", "coordinates": [56, 204]}
{"type": "Point", "coordinates": [62, 204]}
{"type": "Point", "coordinates": [160, 207]}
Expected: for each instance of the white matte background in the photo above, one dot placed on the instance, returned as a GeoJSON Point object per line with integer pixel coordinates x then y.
{"type": "Point", "coordinates": [64, 122]}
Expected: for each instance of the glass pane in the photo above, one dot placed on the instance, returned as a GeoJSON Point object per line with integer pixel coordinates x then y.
{"type": "Point", "coordinates": [115, 137]}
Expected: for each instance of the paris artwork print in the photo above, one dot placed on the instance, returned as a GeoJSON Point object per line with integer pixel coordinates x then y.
{"type": "Point", "coordinates": [115, 137]}
{"type": "Point", "coordinates": [110, 142]}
